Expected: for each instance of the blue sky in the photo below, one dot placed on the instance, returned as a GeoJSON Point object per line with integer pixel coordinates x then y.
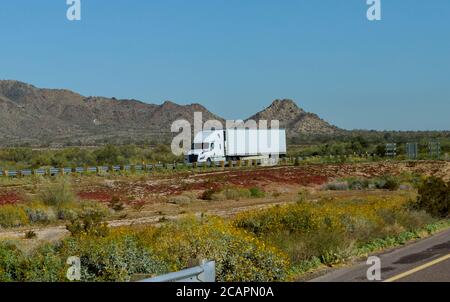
{"type": "Point", "coordinates": [236, 56]}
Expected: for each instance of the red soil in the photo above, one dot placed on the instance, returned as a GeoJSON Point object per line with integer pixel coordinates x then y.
{"type": "Point", "coordinates": [9, 198]}
{"type": "Point", "coordinates": [95, 195]}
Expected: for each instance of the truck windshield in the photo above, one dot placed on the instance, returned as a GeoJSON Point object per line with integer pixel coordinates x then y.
{"type": "Point", "coordinates": [203, 146]}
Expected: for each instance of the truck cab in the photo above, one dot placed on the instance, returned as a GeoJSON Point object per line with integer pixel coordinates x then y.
{"type": "Point", "coordinates": [208, 146]}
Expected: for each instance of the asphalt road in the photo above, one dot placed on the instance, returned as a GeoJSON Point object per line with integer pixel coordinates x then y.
{"type": "Point", "coordinates": [427, 260]}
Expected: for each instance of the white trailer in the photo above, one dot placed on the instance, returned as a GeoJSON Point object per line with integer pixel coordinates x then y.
{"type": "Point", "coordinates": [237, 144]}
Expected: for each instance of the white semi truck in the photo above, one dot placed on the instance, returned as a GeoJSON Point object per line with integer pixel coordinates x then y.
{"type": "Point", "coordinates": [237, 144]}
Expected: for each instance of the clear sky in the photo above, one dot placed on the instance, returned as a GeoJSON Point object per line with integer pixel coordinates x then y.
{"type": "Point", "coordinates": [236, 56]}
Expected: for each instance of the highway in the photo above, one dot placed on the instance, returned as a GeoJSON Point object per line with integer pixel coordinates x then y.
{"type": "Point", "coordinates": [427, 260]}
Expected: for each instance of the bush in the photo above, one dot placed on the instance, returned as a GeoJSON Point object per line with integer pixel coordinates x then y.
{"type": "Point", "coordinates": [89, 221]}
{"type": "Point", "coordinates": [256, 192]}
{"type": "Point", "coordinates": [358, 184]}
{"type": "Point", "coordinates": [238, 255]}
{"type": "Point", "coordinates": [38, 213]}
{"type": "Point", "coordinates": [30, 235]}
{"type": "Point", "coordinates": [231, 193]}
{"type": "Point", "coordinates": [328, 246]}
{"type": "Point", "coordinates": [67, 213]}
{"type": "Point", "coordinates": [303, 195]}
{"type": "Point", "coordinates": [10, 262]}
{"type": "Point", "coordinates": [13, 216]}
{"type": "Point", "coordinates": [116, 204]}
{"type": "Point", "coordinates": [236, 193]}
{"type": "Point", "coordinates": [329, 232]}
{"type": "Point", "coordinates": [434, 197]}
{"type": "Point", "coordinates": [336, 186]}
{"type": "Point", "coordinates": [113, 258]}
{"type": "Point", "coordinates": [58, 193]}
{"type": "Point", "coordinates": [207, 194]}
{"type": "Point", "coordinates": [387, 183]}
{"type": "Point", "coordinates": [129, 252]}
{"type": "Point", "coordinates": [116, 257]}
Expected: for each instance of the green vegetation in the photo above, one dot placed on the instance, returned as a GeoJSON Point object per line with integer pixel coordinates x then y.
{"type": "Point", "coordinates": [386, 182]}
{"type": "Point", "coordinates": [434, 197]}
{"type": "Point", "coordinates": [232, 193]}
{"type": "Point", "coordinates": [58, 193]}
{"type": "Point", "coordinates": [365, 142]}
{"type": "Point", "coordinates": [55, 202]}
{"type": "Point", "coordinates": [13, 216]}
{"type": "Point", "coordinates": [329, 232]}
{"type": "Point", "coordinates": [123, 253]}
{"type": "Point", "coordinates": [20, 158]}
{"type": "Point", "coordinates": [353, 146]}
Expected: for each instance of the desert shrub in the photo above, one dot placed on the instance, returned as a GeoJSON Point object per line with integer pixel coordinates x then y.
{"type": "Point", "coordinates": [233, 193]}
{"type": "Point", "coordinates": [92, 209]}
{"type": "Point", "coordinates": [207, 194]}
{"type": "Point", "coordinates": [116, 257]}
{"type": "Point", "coordinates": [13, 216]}
{"type": "Point", "coordinates": [308, 216]}
{"type": "Point", "coordinates": [328, 246]}
{"type": "Point", "coordinates": [219, 196]}
{"type": "Point", "coordinates": [89, 220]}
{"type": "Point", "coordinates": [239, 256]}
{"type": "Point", "coordinates": [153, 251]}
{"type": "Point", "coordinates": [387, 183]}
{"type": "Point", "coordinates": [39, 213]}
{"type": "Point", "coordinates": [256, 192]}
{"type": "Point", "coordinates": [434, 197]}
{"type": "Point", "coordinates": [10, 260]}
{"type": "Point", "coordinates": [30, 234]}
{"type": "Point", "coordinates": [359, 228]}
{"type": "Point", "coordinates": [88, 226]}
{"type": "Point", "coordinates": [414, 220]}
{"type": "Point", "coordinates": [412, 179]}
{"type": "Point", "coordinates": [88, 223]}
{"type": "Point", "coordinates": [303, 195]}
{"type": "Point", "coordinates": [358, 183]}
{"type": "Point", "coordinates": [67, 213]}
{"type": "Point", "coordinates": [42, 265]}
{"type": "Point", "coordinates": [336, 186]}
{"type": "Point", "coordinates": [58, 193]}
{"type": "Point", "coordinates": [409, 220]}
{"type": "Point", "coordinates": [329, 232]}
{"type": "Point", "coordinates": [116, 204]}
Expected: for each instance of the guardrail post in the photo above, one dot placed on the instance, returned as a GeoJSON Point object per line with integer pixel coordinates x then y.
{"type": "Point", "coordinates": [209, 271]}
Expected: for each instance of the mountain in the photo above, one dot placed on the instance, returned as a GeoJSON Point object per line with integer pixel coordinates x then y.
{"type": "Point", "coordinates": [35, 116]}
{"type": "Point", "coordinates": [42, 116]}
{"type": "Point", "coordinates": [295, 120]}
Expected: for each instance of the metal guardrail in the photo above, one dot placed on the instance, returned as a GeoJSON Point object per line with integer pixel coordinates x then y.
{"type": "Point", "coordinates": [205, 272]}
{"type": "Point", "coordinates": [54, 171]}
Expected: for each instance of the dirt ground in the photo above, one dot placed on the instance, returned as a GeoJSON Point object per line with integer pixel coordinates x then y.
{"type": "Point", "coordinates": [277, 177]}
